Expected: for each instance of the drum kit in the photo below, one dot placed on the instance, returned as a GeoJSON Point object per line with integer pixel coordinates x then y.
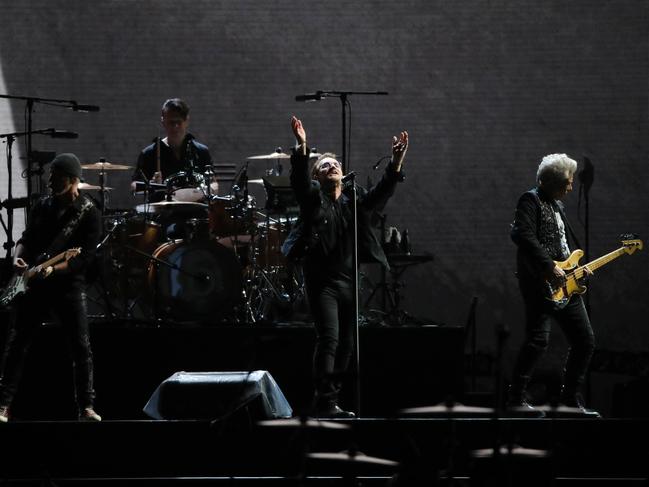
{"type": "Point", "coordinates": [187, 254]}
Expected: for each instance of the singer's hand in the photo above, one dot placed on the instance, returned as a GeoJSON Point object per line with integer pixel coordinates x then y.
{"type": "Point", "coordinates": [399, 149]}
{"type": "Point", "coordinates": [298, 130]}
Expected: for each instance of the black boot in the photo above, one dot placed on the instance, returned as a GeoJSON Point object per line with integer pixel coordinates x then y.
{"type": "Point", "coordinates": [517, 402]}
{"type": "Point", "coordinates": [571, 397]}
{"type": "Point", "coordinates": [330, 409]}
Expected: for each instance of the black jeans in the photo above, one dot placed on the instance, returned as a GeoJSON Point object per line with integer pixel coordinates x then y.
{"type": "Point", "coordinates": [68, 304]}
{"type": "Point", "coordinates": [332, 306]}
{"type": "Point", "coordinates": [575, 324]}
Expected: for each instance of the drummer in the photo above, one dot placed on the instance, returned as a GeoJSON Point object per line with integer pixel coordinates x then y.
{"type": "Point", "coordinates": [178, 152]}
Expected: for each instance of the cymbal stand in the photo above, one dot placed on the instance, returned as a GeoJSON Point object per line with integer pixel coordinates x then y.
{"type": "Point", "coordinates": [102, 281]}
{"type": "Point", "coordinates": [102, 185]}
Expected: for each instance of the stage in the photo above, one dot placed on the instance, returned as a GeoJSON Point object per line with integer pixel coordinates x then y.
{"type": "Point", "coordinates": [583, 452]}
{"type": "Point", "coordinates": [401, 367]}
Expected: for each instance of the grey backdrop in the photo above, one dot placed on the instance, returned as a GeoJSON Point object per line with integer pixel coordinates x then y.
{"type": "Point", "coordinates": [485, 88]}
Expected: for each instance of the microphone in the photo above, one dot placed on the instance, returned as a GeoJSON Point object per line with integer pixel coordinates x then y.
{"type": "Point", "coordinates": [62, 134]}
{"type": "Point", "coordinates": [347, 177]}
{"type": "Point", "coordinates": [317, 96]}
{"type": "Point", "coordinates": [84, 108]}
{"type": "Point", "coordinates": [14, 203]}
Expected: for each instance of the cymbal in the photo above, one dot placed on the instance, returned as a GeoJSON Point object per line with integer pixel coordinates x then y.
{"type": "Point", "coordinates": [105, 166]}
{"type": "Point", "coordinates": [92, 187]}
{"type": "Point", "coordinates": [161, 206]}
{"type": "Point", "coordinates": [271, 156]}
{"type": "Point", "coordinates": [256, 181]}
{"type": "Point", "coordinates": [297, 423]}
{"type": "Point", "coordinates": [516, 451]}
{"type": "Point", "coordinates": [446, 410]}
{"type": "Point", "coordinates": [349, 458]}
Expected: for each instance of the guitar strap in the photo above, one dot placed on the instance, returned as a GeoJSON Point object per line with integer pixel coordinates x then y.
{"type": "Point", "coordinates": [60, 241]}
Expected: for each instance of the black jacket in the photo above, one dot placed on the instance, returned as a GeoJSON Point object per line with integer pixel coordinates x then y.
{"type": "Point", "coordinates": [44, 225]}
{"type": "Point", "coordinates": [536, 234]}
{"type": "Point", "coordinates": [304, 237]}
{"type": "Point", "coordinates": [195, 156]}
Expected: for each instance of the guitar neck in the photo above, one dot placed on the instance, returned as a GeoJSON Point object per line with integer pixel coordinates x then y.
{"type": "Point", "coordinates": [599, 262]}
{"type": "Point", "coordinates": [54, 260]}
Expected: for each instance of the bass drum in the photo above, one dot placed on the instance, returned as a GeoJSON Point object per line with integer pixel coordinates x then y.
{"type": "Point", "coordinates": [198, 281]}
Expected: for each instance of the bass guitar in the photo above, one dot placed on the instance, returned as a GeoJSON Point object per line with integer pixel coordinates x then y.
{"type": "Point", "coordinates": [18, 284]}
{"type": "Point", "coordinates": [560, 292]}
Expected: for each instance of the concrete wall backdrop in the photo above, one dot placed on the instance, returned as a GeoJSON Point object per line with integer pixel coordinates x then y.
{"type": "Point", "coordinates": [485, 88]}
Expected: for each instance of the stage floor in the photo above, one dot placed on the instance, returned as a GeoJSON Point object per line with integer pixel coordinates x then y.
{"type": "Point", "coordinates": [196, 451]}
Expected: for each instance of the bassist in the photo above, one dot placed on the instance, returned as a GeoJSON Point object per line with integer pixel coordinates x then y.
{"type": "Point", "coordinates": [61, 221]}
{"type": "Point", "coordinates": [541, 232]}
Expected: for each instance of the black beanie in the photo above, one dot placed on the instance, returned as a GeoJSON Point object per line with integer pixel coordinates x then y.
{"type": "Point", "coordinates": [68, 164]}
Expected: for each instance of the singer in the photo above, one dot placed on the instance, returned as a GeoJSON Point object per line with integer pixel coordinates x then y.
{"type": "Point", "coordinates": [323, 239]}
{"type": "Point", "coordinates": [542, 233]}
{"type": "Point", "coordinates": [65, 220]}
{"type": "Point", "coordinates": [178, 151]}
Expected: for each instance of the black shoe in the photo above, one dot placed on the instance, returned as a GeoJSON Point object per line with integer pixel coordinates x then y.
{"type": "Point", "coordinates": [576, 403]}
{"type": "Point", "coordinates": [333, 411]}
{"type": "Point", "coordinates": [522, 408]}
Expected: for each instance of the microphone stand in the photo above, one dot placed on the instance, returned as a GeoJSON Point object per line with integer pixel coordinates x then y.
{"type": "Point", "coordinates": [30, 110]}
{"type": "Point", "coordinates": [357, 355]}
{"type": "Point", "coordinates": [344, 95]}
{"type": "Point", "coordinates": [586, 178]}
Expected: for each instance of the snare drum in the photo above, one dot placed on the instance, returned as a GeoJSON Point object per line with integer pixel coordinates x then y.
{"type": "Point", "coordinates": [199, 280]}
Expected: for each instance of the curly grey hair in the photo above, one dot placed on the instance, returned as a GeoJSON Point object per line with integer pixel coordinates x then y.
{"type": "Point", "coordinates": [553, 169]}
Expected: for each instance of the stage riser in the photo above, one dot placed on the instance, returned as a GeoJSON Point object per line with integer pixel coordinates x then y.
{"type": "Point", "coordinates": [400, 367]}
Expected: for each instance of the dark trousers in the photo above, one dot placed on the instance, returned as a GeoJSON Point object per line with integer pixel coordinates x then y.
{"type": "Point", "coordinates": [332, 306]}
{"type": "Point", "coordinates": [69, 306]}
{"type": "Point", "coordinates": [575, 324]}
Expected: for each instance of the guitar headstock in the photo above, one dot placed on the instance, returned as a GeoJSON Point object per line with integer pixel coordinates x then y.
{"type": "Point", "coordinates": [72, 253]}
{"type": "Point", "coordinates": [631, 244]}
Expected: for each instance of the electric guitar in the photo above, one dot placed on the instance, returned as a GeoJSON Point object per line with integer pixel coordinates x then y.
{"type": "Point", "coordinates": [560, 293]}
{"type": "Point", "coordinates": [18, 284]}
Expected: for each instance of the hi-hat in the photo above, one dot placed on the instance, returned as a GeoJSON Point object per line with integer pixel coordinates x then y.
{"type": "Point", "coordinates": [105, 166]}
{"type": "Point", "coordinates": [297, 423]}
{"type": "Point", "coordinates": [271, 156]}
{"type": "Point", "coordinates": [92, 187]}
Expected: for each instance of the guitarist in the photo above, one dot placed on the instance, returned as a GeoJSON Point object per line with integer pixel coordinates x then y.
{"type": "Point", "coordinates": [64, 220]}
{"type": "Point", "coordinates": [541, 232]}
